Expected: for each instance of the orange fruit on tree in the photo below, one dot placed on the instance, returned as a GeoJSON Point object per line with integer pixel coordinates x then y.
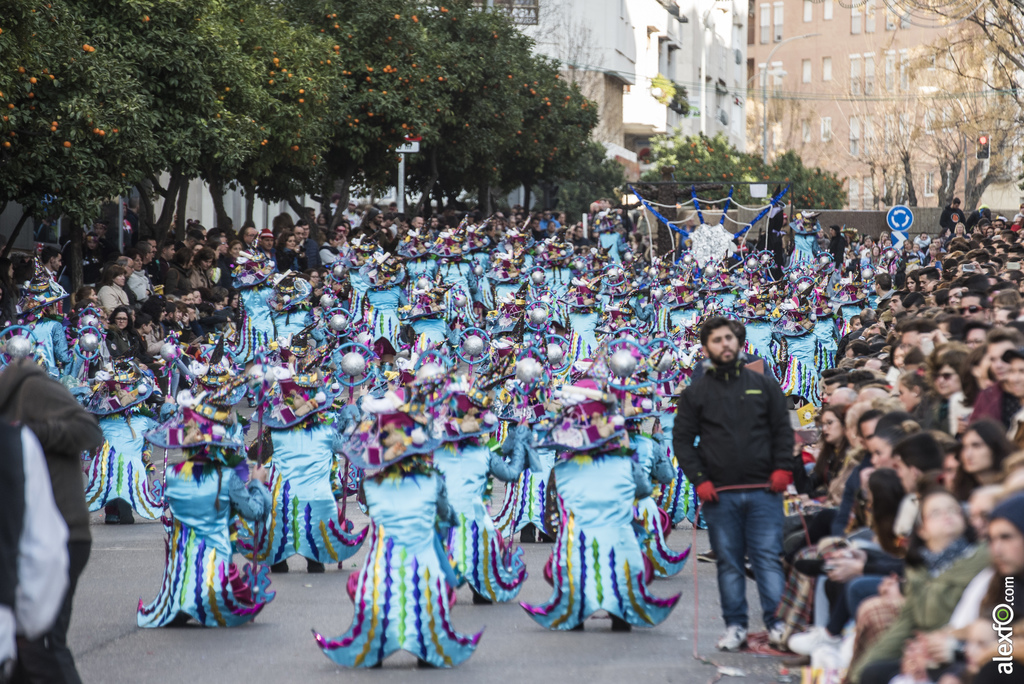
{"type": "Point", "coordinates": [67, 143]}
{"type": "Point", "coordinates": [32, 80]}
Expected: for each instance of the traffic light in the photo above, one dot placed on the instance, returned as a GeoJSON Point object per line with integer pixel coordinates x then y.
{"type": "Point", "coordinates": [984, 146]}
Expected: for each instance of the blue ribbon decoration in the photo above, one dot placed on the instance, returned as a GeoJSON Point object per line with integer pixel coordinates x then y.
{"type": "Point", "coordinates": [728, 201]}
{"type": "Point", "coordinates": [764, 211]}
{"type": "Point", "coordinates": [696, 204]}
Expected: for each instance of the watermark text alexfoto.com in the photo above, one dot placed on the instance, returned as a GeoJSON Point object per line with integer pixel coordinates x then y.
{"type": "Point", "coordinates": [1002, 621]}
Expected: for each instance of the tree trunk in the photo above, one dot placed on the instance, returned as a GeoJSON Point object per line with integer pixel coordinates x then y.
{"type": "Point", "coordinates": [163, 223]}
{"type": "Point", "coordinates": [299, 209]}
{"type": "Point", "coordinates": [75, 255]}
{"type": "Point", "coordinates": [949, 175]}
{"type": "Point", "coordinates": [147, 226]}
{"type": "Point", "coordinates": [977, 184]}
{"type": "Point", "coordinates": [908, 176]}
{"type": "Point", "coordinates": [428, 187]}
{"type": "Point", "coordinates": [250, 207]}
{"type": "Point", "coordinates": [179, 214]}
{"type": "Point", "coordinates": [216, 185]}
{"type": "Point", "coordinates": [14, 234]}
{"type": "Point", "coordinates": [526, 197]}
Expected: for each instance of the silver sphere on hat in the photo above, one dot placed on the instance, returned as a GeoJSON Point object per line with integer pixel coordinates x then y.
{"type": "Point", "coordinates": [168, 351]}
{"type": "Point", "coordinates": [555, 354]}
{"type": "Point", "coordinates": [353, 364]}
{"type": "Point", "coordinates": [18, 347]}
{"type": "Point", "coordinates": [657, 293]}
{"type": "Point", "coordinates": [328, 301]}
{"type": "Point", "coordinates": [89, 342]}
{"type": "Point", "coordinates": [687, 258]}
{"type": "Point", "coordinates": [537, 277]}
{"type": "Point", "coordinates": [422, 284]}
{"type": "Point", "coordinates": [339, 271]}
{"type": "Point", "coordinates": [473, 345]}
{"type": "Point", "coordinates": [478, 270]}
{"type": "Point", "coordinates": [528, 370]}
{"type": "Point", "coordinates": [338, 322]}
{"type": "Point", "coordinates": [538, 316]}
{"type": "Point", "coordinates": [711, 270]}
{"type": "Point", "coordinates": [666, 362]}
{"type": "Point", "coordinates": [622, 363]}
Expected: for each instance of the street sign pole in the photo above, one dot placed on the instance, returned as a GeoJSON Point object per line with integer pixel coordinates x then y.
{"type": "Point", "coordinates": [401, 184]}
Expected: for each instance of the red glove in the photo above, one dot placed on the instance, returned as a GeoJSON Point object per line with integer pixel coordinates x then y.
{"type": "Point", "coordinates": [779, 480]}
{"type": "Point", "coordinates": [706, 491]}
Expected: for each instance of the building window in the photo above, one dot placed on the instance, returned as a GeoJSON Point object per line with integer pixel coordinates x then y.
{"type": "Point", "coordinates": [867, 192]}
{"type": "Point", "coordinates": [855, 16]}
{"type": "Point", "coordinates": [890, 20]}
{"type": "Point", "coordinates": [869, 16]}
{"type": "Point", "coordinates": [805, 70]}
{"type": "Point", "coordinates": [855, 75]}
{"type": "Point", "coordinates": [805, 130]}
{"type": "Point", "coordinates": [766, 23]}
{"type": "Point", "coordinates": [828, 9]}
{"type": "Point", "coordinates": [869, 74]}
{"type": "Point", "coordinates": [929, 184]}
{"type": "Point", "coordinates": [777, 74]}
{"type": "Point", "coordinates": [854, 193]}
{"type": "Point", "coordinates": [808, 11]}
{"type": "Point", "coordinates": [890, 71]}
{"type": "Point", "coordinates": [826, 128]}
{"type": "Point", "coordinates": [778, 21]}
{"type": "Point", "coordinates": [826, 68]}
{"type": "Point", "coordinates": [928, 122]}
{"type": "Point", "coordinates": [854, 136]}
{"type": "Point", "coordinates": [904, 71]}
{"type": "Point", "coordinates": [868, 127]}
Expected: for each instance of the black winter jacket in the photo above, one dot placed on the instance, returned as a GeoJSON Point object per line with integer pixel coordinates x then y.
{"type": "Point", "coordinates": [743, 423]}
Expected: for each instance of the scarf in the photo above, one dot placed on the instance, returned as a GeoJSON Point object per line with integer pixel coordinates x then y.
{"type": "Point", "coordinates": [937, 562]}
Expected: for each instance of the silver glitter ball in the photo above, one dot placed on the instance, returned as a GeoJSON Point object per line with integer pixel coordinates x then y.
{"type": "Point", "coordinates": [169, 352]}
{"type": "Point", "coordinates": [460, 300]}
{"type": "Point", "coordinates": [338, 322]}
{"type": "Point", "coordinates": [18, 347]}
{"type": "Point", "coordinates": [353, 364]}
{"type": "Point", "coordinates": [537, 277]}
{"type": "Point", "coordinates": [538, 316]}
{"type": "Point", "coordinates": [751, 263]}
{"type": "Point", "coordinates": [328, 301]}
{"type": "Point", "coordinates": [687, 258]}
{"type": "Point", "coordinates": [622, 363]}
{"type": "Point", "coordinates": [803, 286]}
{"type": "Point", "coordinates": [473, 345]}
{"type": "Point", "coordinates": [528, 370]}
{"type": "Point", "coordinates": [666, 362]}
{"type": "Point", "coordinates": [90, 320]}
{"type": "Point", "coordinates": [657, 293]}
{"type": "Point", "coordinates": [766, 259]}
{"type": "Point", "coordinates": [794, 276]}
{"type": "Point", "coordinates": [89, 342]}
{"type": "Point", "coordinates": [339, 272]}
{"type": "Point", "coordinates": [627, 257]}
{"type": "Point", "coordinates": [555, 354]}
{"type": "Point", "coordinates": [711, 270]}
{"type": "Point", "coordinates": [867, 274]}
{"type": "Point", "coordinates": [478, 270]}
{"type": "Point", "coordinates": [422, 284]}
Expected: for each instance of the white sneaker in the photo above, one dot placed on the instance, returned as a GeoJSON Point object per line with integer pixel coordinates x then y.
{"type": "Point", "coordinates": [805, 643]}
{"type": "Point", "coordinates": [733, 639]}
{"type": "Point", "coordinates": [777, 635]}
{"type": "Point", "coordinates": [828, 657]}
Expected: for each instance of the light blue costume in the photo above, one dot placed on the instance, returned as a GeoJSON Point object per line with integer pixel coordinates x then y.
{"type": "Point", "coordinates": [524, 498]}
{"type": "Point", "coordinates": [119, 470]}
{"type": "Point", "coordinates": [805, 245]}
{"type": "Point", "coordinates": [677, 498]}
{"type": "Point", "coordinates": [257, 329]}
{"type": "Point", "coordinates": [653, 458]}
{"type": "Point", "coordinates": [459, 272]}
{"type": "Point", "coordinates": [52, 345]}
{"type": "Point", "coordinates": [597, 562]}
{"type": "Point", "coordinates": [383, 315]}
{"type": "Point", "coordinates": [304, 517]}
{"type": "Point", "coordinates": [612, 241]}
{"type": "Point", "coordinates": [473, 543]}
{"type": "Point", "coordinates": [401, 594]}
{"type": "Point", "coordinates": [200, 579]}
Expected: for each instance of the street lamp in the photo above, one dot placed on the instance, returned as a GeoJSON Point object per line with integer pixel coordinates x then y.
{"type": "Point", "coordinates": [764, 90]}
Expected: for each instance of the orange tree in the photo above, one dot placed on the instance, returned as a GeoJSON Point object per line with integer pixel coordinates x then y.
{"type": "Point", "coordinates": [74, 128]}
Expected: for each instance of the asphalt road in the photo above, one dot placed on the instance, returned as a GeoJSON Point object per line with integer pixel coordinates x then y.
{"type": "Point", "coordinates": [127, 563]}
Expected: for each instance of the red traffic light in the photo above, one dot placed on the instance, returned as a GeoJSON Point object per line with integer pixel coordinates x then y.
{"type": "Point", "coordinates": [983, 140]}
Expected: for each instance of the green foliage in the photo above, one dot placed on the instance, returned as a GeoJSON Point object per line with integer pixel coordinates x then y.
{"type": "Point", "coordinates": [594, 177]}
{"type": "Point", "coordinates": [714, 160]}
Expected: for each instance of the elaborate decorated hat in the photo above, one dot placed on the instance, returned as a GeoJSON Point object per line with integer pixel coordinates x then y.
{"type": "Point", "coordinates": [414, 245]}
{"type": "Point", "coordinates": [384, 271]}
{"type": "Point", "coordinates": [805, 223]}
{"type": "Point", "coordinates": [200, 423]}
{"type": "Point", "coordinates": [299, 396]}
{"type": "Point", "coordinates": [468, 412]}
{"type": "Point", "coordinates": [425, 302]}
{"type": "Point", "coordinates": [588, 422]}
{"type": "Point", "coordinates": [251, 269]}
{"type": "Point", "coordinates": [554, 251]}
{"type": "Point", "coordinates": [40, 291]}
{"type": "Point", "coordinates": [679, 294]}
{"type": "Point", "coordinates": [583, 294]}
{"type": "Point", "coordinates": [616, 282]}
{"type": "Point", "coordinates": [449, 243]}
{"type": "Point", "coordinates": [505, 267]}
{"type": "Point", "coordinates": [475, 240]}
{"type": "Point", "coordinates": [119, 387]}
{"type": "Point", "coordinates": [361, 248]}
{"type": "Point", "coordinates": [290, 291]}
{"type": "Point", "coordinates": [795, 323]}
{"type": "Point", "coordinates": [390, 431]}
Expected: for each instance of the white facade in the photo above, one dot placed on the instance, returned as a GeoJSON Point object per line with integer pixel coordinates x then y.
{"type": "Point", "coordinates": [618, 50]}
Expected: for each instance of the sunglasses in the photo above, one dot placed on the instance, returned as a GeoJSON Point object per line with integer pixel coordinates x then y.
{"type": "Point", "coordinates": [946, 376]}
{"type": "Point", "coordinates": [972, 309]}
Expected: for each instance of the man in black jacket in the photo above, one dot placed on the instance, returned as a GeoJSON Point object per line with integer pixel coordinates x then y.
{"type": "Point", "coordinates": [746, 440]}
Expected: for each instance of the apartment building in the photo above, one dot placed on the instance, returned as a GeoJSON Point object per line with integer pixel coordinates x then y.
{"type": "Point", "coordinates": [856, 90]}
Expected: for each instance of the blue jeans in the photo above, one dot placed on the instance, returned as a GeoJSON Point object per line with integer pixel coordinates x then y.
{"type": "Point", "coordinates": [747, 524]}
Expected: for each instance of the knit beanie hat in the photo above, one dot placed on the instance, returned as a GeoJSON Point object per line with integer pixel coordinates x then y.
{"type": "Point", "coordinates": [1011, 510]}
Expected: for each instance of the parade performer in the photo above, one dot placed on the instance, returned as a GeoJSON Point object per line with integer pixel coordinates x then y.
{"type": "Point", "coordinates": [805, 229]}
{"type": "Point", "coordinates": [401, 593]}
{"type": "Point", "coordinates": [203, 493]}
{"type": "Point", "coordinates": [466, 461]}
{"type": "Point", "coordinates": [304, 518]}
{"type": "Point", "coordinates": [597, 562]}
{"type": "Point", "coordinates": [252, 269]}
{"type": "Point", "coordinates": [41, 311]}
{"type": "Point", "coordinates": [119, 472]}
{"type": "Point", "coordinates": [291, 311]}
{"type": "Point", "coordinates": [385, 275]}
{"type": "Point", "coordinates": [426, 310]}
